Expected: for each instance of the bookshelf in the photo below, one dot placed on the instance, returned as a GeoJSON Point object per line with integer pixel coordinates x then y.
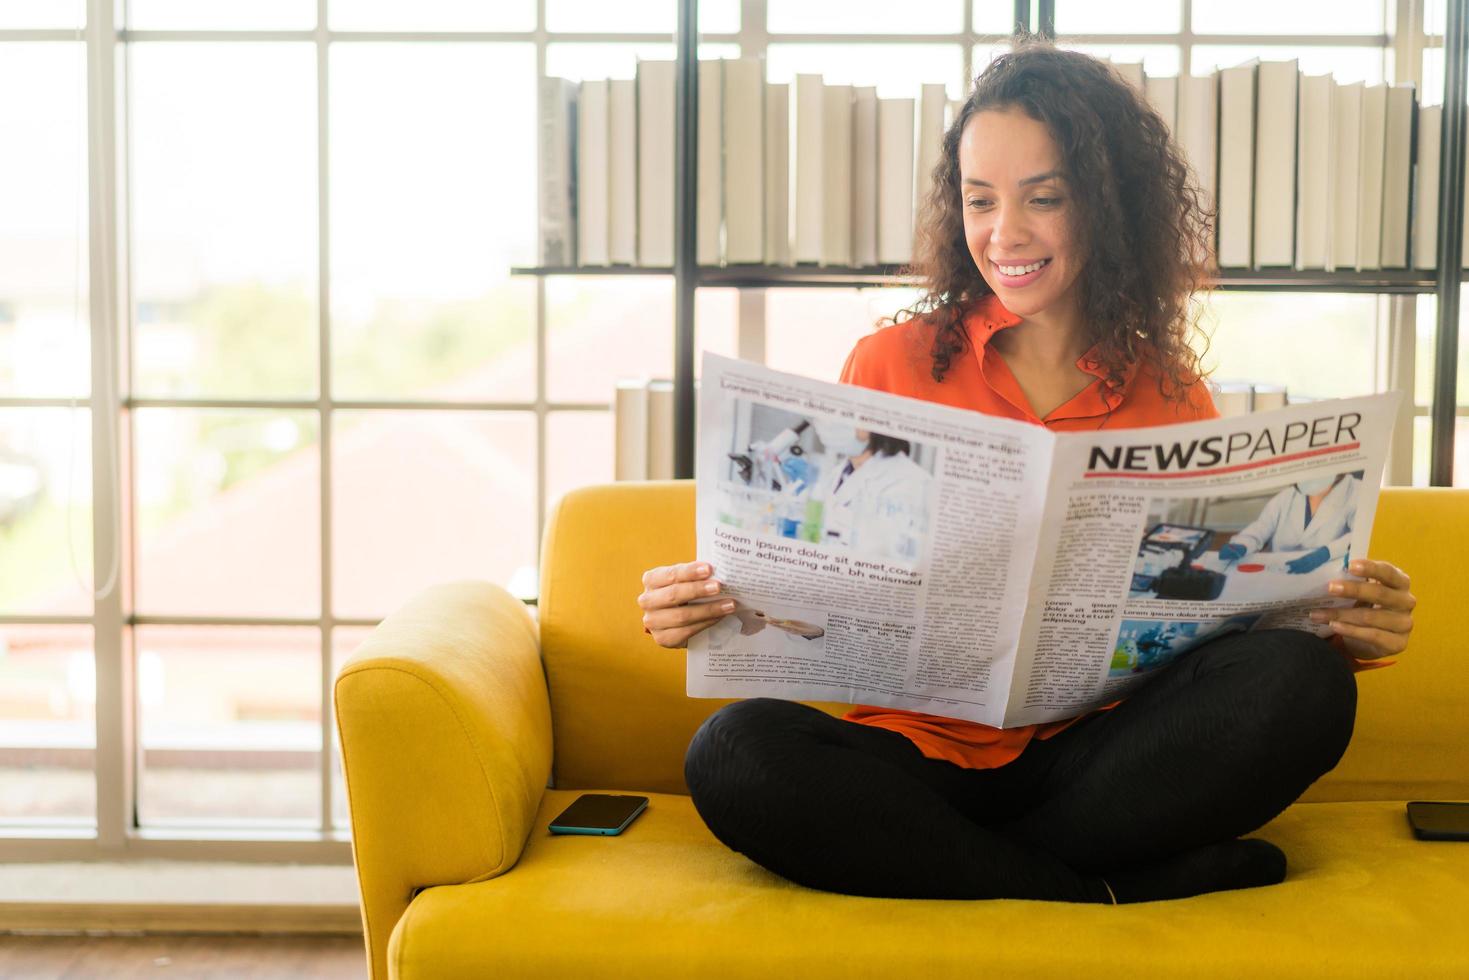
{"type": "Point", "coordinates": [1443, 281]}
{"type": "Point", "coordinates": [1385, 281]}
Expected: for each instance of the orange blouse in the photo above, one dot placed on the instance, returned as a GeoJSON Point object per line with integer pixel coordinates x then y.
{"type": "Point", "coordinates": [896, 359]}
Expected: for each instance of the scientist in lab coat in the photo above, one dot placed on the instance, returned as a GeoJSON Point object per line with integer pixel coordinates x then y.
{"type": "Point", "coordinates": [1314, 516]}
{"type": "Point", "coordinates": [875, 497]}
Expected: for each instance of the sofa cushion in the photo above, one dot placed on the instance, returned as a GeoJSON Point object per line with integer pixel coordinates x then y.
{"type": "Point", "coordinates": [1363, 898]}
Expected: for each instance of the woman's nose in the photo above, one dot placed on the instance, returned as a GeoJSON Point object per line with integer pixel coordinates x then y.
{"type": "Point", "coordinates": [1010, 230]}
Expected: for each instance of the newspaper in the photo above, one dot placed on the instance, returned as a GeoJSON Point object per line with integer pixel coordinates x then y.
{"type": "Point", "coordinates": [894, 552]}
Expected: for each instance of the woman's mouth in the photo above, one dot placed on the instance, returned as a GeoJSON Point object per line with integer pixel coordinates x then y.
{"type": "Point", "coordinates": [1017, 274]}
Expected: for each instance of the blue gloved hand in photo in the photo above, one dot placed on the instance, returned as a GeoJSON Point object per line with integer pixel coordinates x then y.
{"type": "Point", "coordinates": [1309, 561]}
{"type": "Point", "coordinates": [796, 469]}
{"type": "Point", "coordinates": [1232, 552]}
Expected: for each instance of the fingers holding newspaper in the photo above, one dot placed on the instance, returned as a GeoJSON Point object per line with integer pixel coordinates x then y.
{"type": "Point", "coordinates": [1381, 622]}
{"type": "Point", "coordinates": [676, 602]}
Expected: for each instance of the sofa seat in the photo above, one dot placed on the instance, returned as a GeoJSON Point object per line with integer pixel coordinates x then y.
{"type": "Point", "coordinates": [668, 899]}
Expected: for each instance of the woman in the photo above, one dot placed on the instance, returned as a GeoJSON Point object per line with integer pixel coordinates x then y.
{"type": "Point", "coordinates": [874, 497]}
{"type": "Point", "coordinates": [1313, 516]}
{"type": "Point", "coordinates": [1060, 243]}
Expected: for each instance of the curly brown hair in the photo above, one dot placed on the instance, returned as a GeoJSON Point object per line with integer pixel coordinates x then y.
{"type": "Point", "coordinates": [1132, 190]}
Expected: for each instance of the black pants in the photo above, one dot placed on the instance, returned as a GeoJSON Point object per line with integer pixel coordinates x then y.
{"type": "Point", "coordinates": [1213, 747]}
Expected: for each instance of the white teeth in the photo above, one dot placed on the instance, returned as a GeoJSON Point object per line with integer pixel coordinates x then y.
{"type": "Point", "coordinates": [1020, 270]}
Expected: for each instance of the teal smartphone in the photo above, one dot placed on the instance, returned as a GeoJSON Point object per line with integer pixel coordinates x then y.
{"type": "Point", "coordinates": [599, 813]}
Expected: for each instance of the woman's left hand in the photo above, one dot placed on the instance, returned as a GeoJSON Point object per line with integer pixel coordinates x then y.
{"type": "Point", "coordinates": [1380, 623]}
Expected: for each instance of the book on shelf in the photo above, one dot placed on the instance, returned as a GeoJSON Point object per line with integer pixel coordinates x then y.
{"type": "Point", "coordinates": [932, 104]}
{"type": "Point", "coordinates": [592, 185]}
{"type": "Point", "coordinates": [1397, 176]}
{"type": "Point", "coordinates": [1162, 93]}
{"type": "Point", "coordinates": [836, 176]}
{"type": "Point", "coordinates": [1313, 172]}
{"type": "Point", "coordinates": [1425, 188]}
{"type": "Point", "coordinates": [1234, 398]}
{"type": "Point", "coordinates": [1369, 185]}
{"type": "Point", "coordinates": [1301, 171]}
{"type": "Point", "coordinates": [642, 424]}
{"type": "Point", "coordinates": [660, 429]}
{"type": "Point", "coordinates": [1345, 174]}
{"type": "Point", "coordinates": [744, 160]}
{"type": "Point", "coordinates": [894, 181]}
{"type": "Point", "coordinates": [777, 173]}
{"type": "Point", "coordinates": [1198, 129]}
{"type": "Point", "coordinates": [630, 429]}
{"type": "Point", "coordinates": [807, 196]}
{"type": "Point", "coordinates": [709, 192]}
{"type": "Point", "coordinates": [557, 137]}
{"type": "Point", "coordinates": [1275, 163]}
{"type": "Point", "coordinates": [864, 175]}
{"type": "Point", "coordinates": [656, 88]}
{"type": "Point", "coordinates": [1132, 73]}
{"type": "Point", "coordinates": [622, 172]}
{"type": "Point", "coordinates": [1236, 141]}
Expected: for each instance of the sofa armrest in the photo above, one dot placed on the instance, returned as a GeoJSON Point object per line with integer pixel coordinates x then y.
{"type": "Point", "coordinates": [445, 726]}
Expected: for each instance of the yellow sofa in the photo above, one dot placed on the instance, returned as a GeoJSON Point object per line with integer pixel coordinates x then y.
{"type": "Point", "coordinates": [459, 707]}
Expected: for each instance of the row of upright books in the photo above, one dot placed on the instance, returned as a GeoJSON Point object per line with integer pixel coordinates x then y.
{"type": "Point", "coordinates": [1306, 172]}
{"type": "Point", "coordinates": [803, 172]}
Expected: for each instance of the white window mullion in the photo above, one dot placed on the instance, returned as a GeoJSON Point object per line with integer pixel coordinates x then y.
{"type": "Point", "coordinates": [114, 674]}
{"type": "Point", "coordinates": [324, 393]}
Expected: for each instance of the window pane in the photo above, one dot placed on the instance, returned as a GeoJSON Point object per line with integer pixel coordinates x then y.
{"type": "Point", "coordinates": [432, 202]}
{"type": "Point", "coordinates": [580, 62]}
{"type": "Point", "coordinates": [42, 14]}
{"type": "Point", "coordinates": [865, 17]}
{"type": "Point", "coordinates": [716, 322]}
{"type": "Point", "coordinates": [48, 728]}
{"type": "Point", "coordinates": [1423, 451]}
{"type": "Point", "coordinates": [423, 497]}
{"type": "Point", "coordinates": [1425, 349]}
{"type": "Point", "coordinates": [579, 451]}
{"type": "Point", "coordinates": [602, 328]}
{"type": "Point", "coordinates": [1346, 64]}
{"type": "Point", "coordinates": [983, 54]}
{"type": "Point", "coordinates": [811, 331]}
{"type": "Point", "coordinates": [1157, 59]}
{"type": "Point", "coordinates": [230, 721]}
{"type": "Point", "coordinates": [994, 16]}
{"type": "Point", "coordinates": [1298, 17]}
{"type": "Point", "coordinates": [600, 17]}
{"type": "Point", "coordinates": [221, 15]}
{"type": "Point", "coordinates": [224, 219]}
{"type": "Point", "coordinates": [229, 512]}
{"type": "Point", "coordinates": [896, 69]}
{"type": "Point", "coordinates": [1432, 91]}
{"type": "Point", "coordinates": [45, 347]}
{"type": "Point", "coordinates": [431, 15]}
{"type": "Point", "coordinates": [1136, 17]}
{"type": "Point", "coordinates": [46, 511]}
{"type": "Point", "coordinates": [1328, 351]}
{"type": "Point", "coordinates": [345, 640]}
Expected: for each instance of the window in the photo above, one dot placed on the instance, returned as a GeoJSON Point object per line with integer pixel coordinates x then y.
{"type": "Point", "coordinates": [334, 393]}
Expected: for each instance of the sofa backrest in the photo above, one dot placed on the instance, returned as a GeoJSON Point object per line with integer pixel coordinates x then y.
{"type": "Point", "coordinates": [621, 719]}
{"type": "Point", "coordinates": [1412, 735]}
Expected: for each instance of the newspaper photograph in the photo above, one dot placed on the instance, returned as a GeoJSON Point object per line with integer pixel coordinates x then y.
{"type": "Point", "coordinates": [888, 551]}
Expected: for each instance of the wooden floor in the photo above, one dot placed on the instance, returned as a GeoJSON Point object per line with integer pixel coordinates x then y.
{"type": "Point", "coordinates": [181, 957]}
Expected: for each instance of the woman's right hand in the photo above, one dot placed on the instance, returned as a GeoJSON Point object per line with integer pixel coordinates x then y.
{"type": "Point", "coordinates": [667, 613]}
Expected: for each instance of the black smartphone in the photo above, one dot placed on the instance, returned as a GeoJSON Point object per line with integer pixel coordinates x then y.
{"type": "Point", "coordinates": [1439, 821]}
{"type": "Point", "coordinates": [599, 813]}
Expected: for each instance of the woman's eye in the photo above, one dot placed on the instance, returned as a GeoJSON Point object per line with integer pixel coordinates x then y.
{"type": "Point", "coordinates": [1046, 202]}
{"type": "Point", "coordinates": [978, 202]}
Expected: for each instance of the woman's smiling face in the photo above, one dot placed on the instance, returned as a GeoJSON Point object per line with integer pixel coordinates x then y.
{"type": "Point", "coordinates": [1017, 211]}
